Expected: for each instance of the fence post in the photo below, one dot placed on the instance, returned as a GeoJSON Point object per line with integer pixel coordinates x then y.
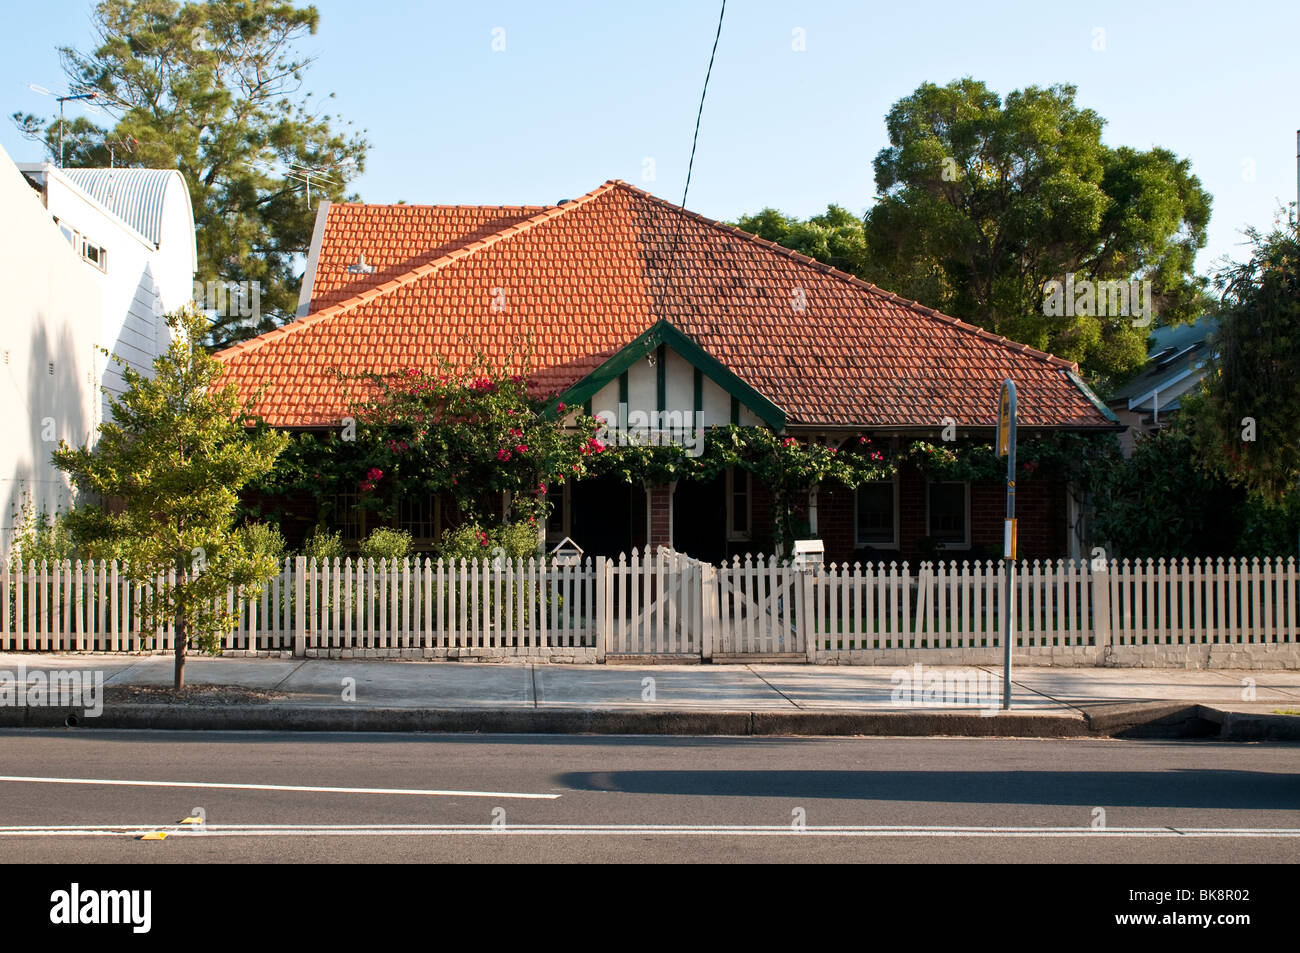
{"type": "Point", "coordinates": [804, 616]}
{"type": "Point", "coordinates": [709, 618]}
{"type": "Point", "coordinates": [602, 607]}
{"type": "Point", "coordinates": [1101, 608]}
{"type": "Point", "coordinates": [300, 606]}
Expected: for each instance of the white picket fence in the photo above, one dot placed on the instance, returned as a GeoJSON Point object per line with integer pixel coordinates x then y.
{"type": "Point", "coordinates": [668, 606]}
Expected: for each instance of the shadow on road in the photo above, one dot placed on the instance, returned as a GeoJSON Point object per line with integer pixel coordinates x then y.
{"type": "Point", "coordinates": [1217, 789]}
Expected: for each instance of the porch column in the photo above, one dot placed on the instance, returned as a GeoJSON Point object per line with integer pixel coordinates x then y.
{"type": "Point", "coordinates": [812, 512]}
{"type": "Point", "coordinates": [659, 515]}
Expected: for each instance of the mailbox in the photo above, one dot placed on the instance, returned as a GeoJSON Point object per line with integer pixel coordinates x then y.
{"type": "Point", "coordinates": [809, 553]}
{"type": "Point", "coordinates": [567, 553]}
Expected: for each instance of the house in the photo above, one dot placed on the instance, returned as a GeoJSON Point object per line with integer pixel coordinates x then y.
{"type": "Point", "coordinates": [52, 321]}
{"type": "Point", "coordinates": [133, 230]}
{"type": "Point", "coordinates": [628, 304]}
{"type": "Point", "coordinates": [1177, 361]}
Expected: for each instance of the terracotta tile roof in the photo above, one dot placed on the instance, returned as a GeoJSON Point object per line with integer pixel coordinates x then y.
{"type": "Point", "coordinates": [555, 291]}
{"type": "Point", "coordinates": [395, 239]}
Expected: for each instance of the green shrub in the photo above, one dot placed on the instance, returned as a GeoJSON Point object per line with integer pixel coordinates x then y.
{"type": "Point", "coordinates": [262, 539]}
{"type": "Point", "coordinates": [386, 543]}
{"type": "Point", "coordinates": [322, 545]}
{"type": "Point", "coordinates": [40, 536]}
{"type": "Point", "coordinates": [472, 541]}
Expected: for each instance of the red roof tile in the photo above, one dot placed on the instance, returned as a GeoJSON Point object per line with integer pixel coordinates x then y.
{"type": "Point", "coordinates": [554, 291]}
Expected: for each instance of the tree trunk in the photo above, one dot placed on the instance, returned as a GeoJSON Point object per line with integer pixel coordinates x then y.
{"type": "Point", "coordinates": [178, 632]}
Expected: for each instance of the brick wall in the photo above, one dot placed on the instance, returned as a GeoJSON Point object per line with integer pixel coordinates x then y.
{"type": "Point", "coordinates": [660, 523]}
{"type": "Point", "coordinates": [1040, 512]}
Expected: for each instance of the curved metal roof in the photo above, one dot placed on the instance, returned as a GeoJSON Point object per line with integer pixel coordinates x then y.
{"type": "Point", "coordinates": [134, 195]}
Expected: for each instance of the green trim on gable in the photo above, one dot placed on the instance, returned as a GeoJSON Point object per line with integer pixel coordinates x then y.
{"type": "Point", "coordinates": [663, 334]}
{"type": "Point", "coordinates": [1093, 398]}
{"type": "Point", "coordinates": [697, 404]}
{"type": "Point", "coordinates": [661, 379]}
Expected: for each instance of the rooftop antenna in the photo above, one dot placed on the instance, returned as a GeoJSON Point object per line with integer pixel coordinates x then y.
{"type": "Point", "coordinates": [320, 174]}
{"type": "Point", "coordinates": [84, 98]}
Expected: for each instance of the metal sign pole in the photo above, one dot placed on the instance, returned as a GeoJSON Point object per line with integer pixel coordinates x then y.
{"type": "Point", "coordinates": [1007, 447]}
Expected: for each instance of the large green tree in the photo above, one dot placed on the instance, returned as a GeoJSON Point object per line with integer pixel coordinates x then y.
{"type": "Point", "coordinates": [1246, 420]}
{"type": "Point", "coordinates": [214, 89]}
{"type": "Point", "coordinates": [160, 487]}
{"type": "Point", "coordinates": [983, 201]}
{"type": "Point", "coordinates": [836, 237]}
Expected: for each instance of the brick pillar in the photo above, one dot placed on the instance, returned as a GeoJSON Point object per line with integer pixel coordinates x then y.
{"type": "Point", "coordinates": [659, 515]}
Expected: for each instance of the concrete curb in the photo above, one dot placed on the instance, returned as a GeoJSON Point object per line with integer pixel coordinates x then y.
{"type": "Point", "coordinates": [553, 721]}
{"type": "Point", "coordinates": [1111, 720]}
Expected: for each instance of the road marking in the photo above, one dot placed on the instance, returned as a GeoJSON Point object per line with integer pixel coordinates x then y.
{"type": "Point", "coordinates": [218, 785]}
{"type": "Point", "coordinates": [641, 830]}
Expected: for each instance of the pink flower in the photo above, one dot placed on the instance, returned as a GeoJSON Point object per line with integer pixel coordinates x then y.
{"type": "Point", "coordinates": [521, 449]}
{"type": "Point", "coordinates": [503, 454]}
{"type": "Point", "coordinates": [561, 407]}
{"type": "Point", "coordinates": [375, 473]}
{"type": "Point", "coordinates": [541, 489]}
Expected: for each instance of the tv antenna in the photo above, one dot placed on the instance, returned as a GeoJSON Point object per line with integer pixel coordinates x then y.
{"type": "Point", "coordinates": [83, 98]}
{"type": "Point", "coordinates": [307, 174]}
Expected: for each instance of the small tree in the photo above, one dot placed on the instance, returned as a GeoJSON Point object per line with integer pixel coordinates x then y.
{"type": "Point", "coordinates": [161, 487]}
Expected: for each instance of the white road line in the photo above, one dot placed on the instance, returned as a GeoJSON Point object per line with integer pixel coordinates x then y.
{"type": "Point", "coordinates": [614, 830]}
{"type": "Point", "coordinates": [432, 792]}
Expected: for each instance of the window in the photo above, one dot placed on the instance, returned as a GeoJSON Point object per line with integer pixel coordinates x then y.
{"type": "Point", "coordinates": [419, 516]}
{"type": "Point", "coordinates": [739, 503]}
{"type": "Point", "coordinates": [94, 254]}
{"type": "Point", "coordinates": [948, 514]}
{"type": "Point", "coordinates": [88, 250]}
{"type": "Point", "coordinates": [348, 518]}
{"type": "Point", "coordinates": [876, 516]}
{"type": "Point", "coordinates": [558, 524]}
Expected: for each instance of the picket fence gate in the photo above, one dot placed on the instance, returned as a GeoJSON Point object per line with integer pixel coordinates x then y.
{"type": "Point", "coordinates": [667, 606]}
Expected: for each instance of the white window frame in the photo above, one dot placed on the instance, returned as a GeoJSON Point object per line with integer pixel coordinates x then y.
{"type": "Point", "coordinates": [80, 243]}
{"type": "Point", "coordinates": [866, 544]}
{"type": "Point", "coordinates": [733, 536]}
{"type": "Point", "coordinates": [966, 544]}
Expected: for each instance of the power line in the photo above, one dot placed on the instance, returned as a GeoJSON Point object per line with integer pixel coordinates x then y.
{"type": "Point", "coordinates": [703, 93]}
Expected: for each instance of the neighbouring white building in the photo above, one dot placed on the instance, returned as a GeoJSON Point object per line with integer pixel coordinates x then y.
{"type": "Point", "coordinates": [92, 258]}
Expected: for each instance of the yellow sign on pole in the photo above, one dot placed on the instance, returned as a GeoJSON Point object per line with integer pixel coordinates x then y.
{"type": "Point", "coordinates": [1004, 423]}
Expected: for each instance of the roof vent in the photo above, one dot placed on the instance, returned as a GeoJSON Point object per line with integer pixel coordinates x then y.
{"type": "Point", "coordinates": [359, 267]}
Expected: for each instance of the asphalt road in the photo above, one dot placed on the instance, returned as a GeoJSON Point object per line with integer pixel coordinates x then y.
{"type": "Point", "coordinates": [426, 798]}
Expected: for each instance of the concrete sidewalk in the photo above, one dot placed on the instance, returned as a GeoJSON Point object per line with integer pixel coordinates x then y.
{"type": "Point", "coordinates": [756, 698]}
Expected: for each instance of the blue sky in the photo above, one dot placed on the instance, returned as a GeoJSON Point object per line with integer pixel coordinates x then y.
{"type": "Point", "coordinates": [587, 91]}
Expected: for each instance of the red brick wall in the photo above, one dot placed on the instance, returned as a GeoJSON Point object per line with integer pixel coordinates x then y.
{"type": "Point", "coordinates": [1040, 512]}
{"type": "Point", "coordinates": [660, 523]}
